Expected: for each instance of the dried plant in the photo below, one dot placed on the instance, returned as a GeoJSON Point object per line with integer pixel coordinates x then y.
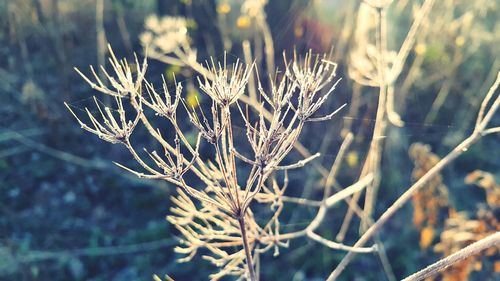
{"type": "Point", "coordinates": [167, 39]}
{"type": "Point", "coordinates": [165, 34]}
{"type": "Point", "coordinates": [213, 209]}
{"type": "Point", "coordinates": [429, 202]}
{"type": "Point", "coordinates": [221, 218]}
{"type": "Point", "coordinates": [373, 63]}
{"type": "Point", "coordinates": [486, 181]}
{"type": "Point", "coordinates": [487, 110]}
{"type": "Point", "coordinates": [460, 230]}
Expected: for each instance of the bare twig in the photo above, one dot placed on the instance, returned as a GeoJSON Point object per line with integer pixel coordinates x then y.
{"type": "Point", "coordinates": [473, 249]}
{"type": "Point", "coordinates": [247, 249]}
{"type": "Point", "coordinates": [456, 152]}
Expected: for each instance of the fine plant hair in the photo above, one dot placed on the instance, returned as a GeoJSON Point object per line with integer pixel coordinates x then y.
{"type": "Point", "coordinates": [221, 216]}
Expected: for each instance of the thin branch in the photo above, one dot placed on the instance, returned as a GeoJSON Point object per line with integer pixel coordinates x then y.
{"type": "Point", "coordinates": [247, 53]}
{"type": "Point", "coordinates": [248, 254]}
{"type": "Point", "coordinates": [456, 152]}
{"type": "Point", "coordinates": [327, 117]}
{"type": "Point", "coordinates": [482, 118]}
{"type": "Point", "coordinates": [338, 246]}
{"type": "Point", "coordinates": [348, 191]}
{"type": "Point", "coordinates": [336, 164]}
{"type": "Point", "coordinates": [409, 40]}
{"type": "Point", "coordinates": [464, 253]}
{"type": "Point", "coordinates": [301, 201]}
{"type": "Point", "coordinates": [491, 131]}
{"type": "Point", "coordinates": [325, 205]}
{"type": "Point", "coordinates": [299, 164]}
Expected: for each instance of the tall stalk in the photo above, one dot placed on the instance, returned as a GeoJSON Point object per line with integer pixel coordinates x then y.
{"type": "Point", "coordinates": [251, 270]}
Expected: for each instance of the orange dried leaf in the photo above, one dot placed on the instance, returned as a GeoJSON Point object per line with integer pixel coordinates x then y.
{"type": "Point", "coordinates": [426, 237]}
{"type": "Point", "coordinates": [496, 266]}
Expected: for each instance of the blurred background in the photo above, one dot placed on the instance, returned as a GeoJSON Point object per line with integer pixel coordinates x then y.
{"type": "Point", "coordinates": [68, 213]}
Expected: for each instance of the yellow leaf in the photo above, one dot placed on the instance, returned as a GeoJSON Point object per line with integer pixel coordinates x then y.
{"type": "Point", "coordinates": [496, 266]}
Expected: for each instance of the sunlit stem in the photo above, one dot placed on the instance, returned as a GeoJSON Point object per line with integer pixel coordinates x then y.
{"type": "Point", "coordinates": [251, 271]}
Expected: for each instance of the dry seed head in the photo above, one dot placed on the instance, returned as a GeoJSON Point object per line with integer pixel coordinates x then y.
{"type": "Point", "coordinates": [210, 132]}
{"type": "Point", "coordinates": [111, 129]}
{"type": "Point", "coordinates": [123, 82]}
{"type": "Point", "coordinates": [254, 8]}
{"type": "Point", "coordinates": [312, 75]}
{"type": "Point", "coordinates": [165, 34]}
{"type": "Point", "coordinates": [166, 107]}
{"type": "Point", "coordinates": [171, 168]}
{"type": "Point", "coordinates": [208, 227]}
{"type": "Point", "coordinates": [214, 222]}
{"type": "Point", "coordinates": [227, 85]}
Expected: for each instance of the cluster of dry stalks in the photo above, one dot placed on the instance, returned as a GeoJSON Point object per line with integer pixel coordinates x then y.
{"type": "Point", "coordinates": [213, 208]}
{"type": "Point", "coordinates": [224, 219]}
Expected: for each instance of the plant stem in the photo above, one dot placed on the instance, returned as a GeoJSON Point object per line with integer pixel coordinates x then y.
{"type": "Point", "coordinates": [372, 163]}
{"type": "Point", "coordinates": [466, 252]}
{"type": "Point", "coordinates": [251, 270]}
{"type": "Point", "coordinates": [480, 130]}
{"type": "Point", "coordinates": [403, 199]}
